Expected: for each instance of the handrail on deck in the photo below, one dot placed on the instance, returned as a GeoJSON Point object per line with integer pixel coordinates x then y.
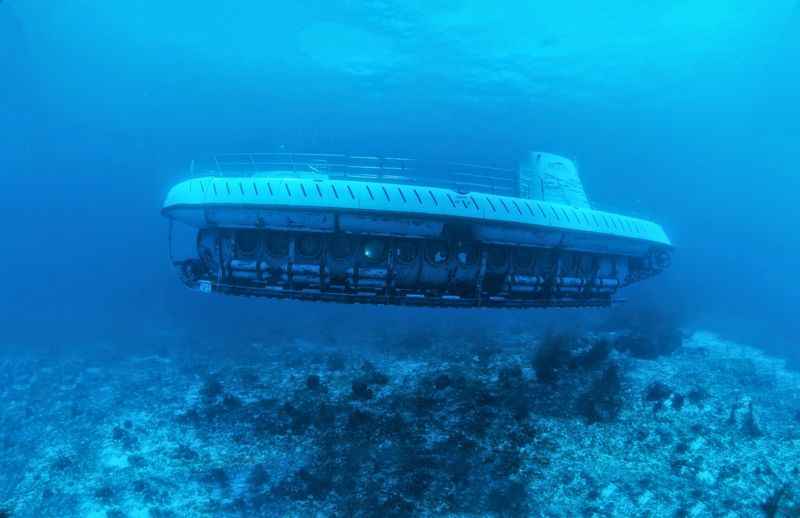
{"type": "Point", "coordinates": [458, 176]}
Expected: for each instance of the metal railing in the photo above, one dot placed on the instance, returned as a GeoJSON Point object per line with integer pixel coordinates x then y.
{"type": "Point", "coordinates": [457, 176]}
{"type": "Point", "coordinates": [453, 175]}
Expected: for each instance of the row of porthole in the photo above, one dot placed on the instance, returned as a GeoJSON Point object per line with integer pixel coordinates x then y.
{"type": "Point", "coordinates": [375, 250]}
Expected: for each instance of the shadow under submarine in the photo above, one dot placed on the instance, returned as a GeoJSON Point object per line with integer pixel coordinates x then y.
{"type": "Point", "coordinates": [359, 229]}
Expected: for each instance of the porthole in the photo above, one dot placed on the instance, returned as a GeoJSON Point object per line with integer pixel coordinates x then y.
{"type": "Point", "coordinates": [374, 251]}
{"type": "Point", "coordinates": [497, 257]}
{"type": "Point", "coordinates": [572, 263]}
{"type": "Point", "coordinates": [663, 259]}
{"type": "Point", "coordinates": [247, 242]}
{"type": "Point", "coordinates": [523, 257]}
{"type": "Point", "coordinates": [467, 254]}
{"type": "Point", "coordinates": [406, 252]}
{"type": "Point", "coordinates": [309, 246]}
{"type": "Point", "coordinates": [278, 245]}
{"type": "Point", "coordinates": [436, 252]}
{"type": "Point", "coordinates": [341, 247]}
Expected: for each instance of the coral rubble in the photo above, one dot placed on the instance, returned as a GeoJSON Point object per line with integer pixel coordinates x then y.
{"type": "Point", "coordinates": [554, 426]}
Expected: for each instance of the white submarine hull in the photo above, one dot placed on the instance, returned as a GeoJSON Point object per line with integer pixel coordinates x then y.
{"type": "Point", "coordinates": [284, 234]}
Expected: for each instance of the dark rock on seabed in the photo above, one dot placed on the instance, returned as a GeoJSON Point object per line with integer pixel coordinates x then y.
{"type": "Point", "coordinates": [456, 426]}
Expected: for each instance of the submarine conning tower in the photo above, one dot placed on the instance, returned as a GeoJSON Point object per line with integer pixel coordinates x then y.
{"type": "Point", "coordinates": [362, 229]}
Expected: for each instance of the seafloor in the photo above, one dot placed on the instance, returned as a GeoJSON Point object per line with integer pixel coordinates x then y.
{"type": "Point", "coordinates": [458, 425]}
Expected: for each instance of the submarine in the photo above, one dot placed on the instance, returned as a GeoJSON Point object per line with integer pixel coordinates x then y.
{"type": "Point", "coordinates": [382, 230]}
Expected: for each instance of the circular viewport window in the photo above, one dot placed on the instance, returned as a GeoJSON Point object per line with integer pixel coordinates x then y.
{"type": "Point", "coordinates": [374, 250]}
{"type": "Point", "coordinates": [436, 252]}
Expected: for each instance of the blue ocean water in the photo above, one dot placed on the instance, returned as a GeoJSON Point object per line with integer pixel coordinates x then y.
{"type": "Point", "coordinates": [685, 113]}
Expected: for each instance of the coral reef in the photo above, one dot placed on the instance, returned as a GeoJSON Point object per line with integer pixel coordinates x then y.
{"type": "Point", "coordinates": [466, 425]}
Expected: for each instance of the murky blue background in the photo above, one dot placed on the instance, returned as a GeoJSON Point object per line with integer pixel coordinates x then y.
{"type": "Point", "coordinates": [684, 112]}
